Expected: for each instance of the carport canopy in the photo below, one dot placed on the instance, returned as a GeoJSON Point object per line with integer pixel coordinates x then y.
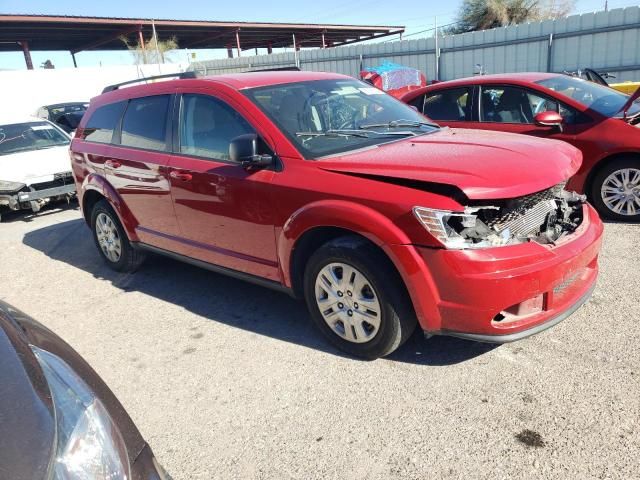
{"type": "Point", "coordinates": [76, 34]}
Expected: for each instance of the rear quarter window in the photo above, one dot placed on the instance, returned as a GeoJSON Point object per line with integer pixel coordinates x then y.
{"type": "Point", "coordinates": [103, 122]}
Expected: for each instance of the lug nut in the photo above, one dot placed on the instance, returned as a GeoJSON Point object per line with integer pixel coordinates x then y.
{"type": "Point", "coordinates": [355, 305]}
{"type": "Point", "coordinates": [349, 293]}
{"type": "Point", "coordinates": [340, 305]}
{"type": "Point", "coordinates": [340, 294]}
{"type": "Point", "coordinates": [350, 313]}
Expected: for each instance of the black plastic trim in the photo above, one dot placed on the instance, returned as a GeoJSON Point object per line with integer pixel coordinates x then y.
{"type": "Point", "coordinates": [247, 277]}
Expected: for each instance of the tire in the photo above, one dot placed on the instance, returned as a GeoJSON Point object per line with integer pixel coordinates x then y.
{"type": "Point", "coordinates": [374, 279]}
{"type": "Point", "coordinates": [611, 176]}
{"type": "Point", "coordinates": [105, 222]}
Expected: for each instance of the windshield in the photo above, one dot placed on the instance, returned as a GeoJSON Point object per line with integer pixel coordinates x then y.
{"type": "Point", "coordinates": [57, 110]}
{"type": "Point", "coordinates": [604, 100]}
{"type": "Point", "coordinates": [22, 137]}
{"type": "Point", "coordinates": [325, 117]}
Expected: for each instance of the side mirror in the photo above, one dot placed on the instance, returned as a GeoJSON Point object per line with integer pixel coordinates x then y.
{"type": "Point", "coordinates": [244, 150]}
{"type": "Point", "coordinates": [548, 119]}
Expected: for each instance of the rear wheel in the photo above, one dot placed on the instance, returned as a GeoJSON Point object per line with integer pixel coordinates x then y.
{"type": "Point", "coordinates": [615, 190]}
{"type": "Point", "coordinates": [112, 241]}
{"type": "Point", "coordinates": [356, 298]}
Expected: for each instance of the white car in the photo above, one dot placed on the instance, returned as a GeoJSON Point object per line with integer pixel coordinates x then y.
{"type": "Point", "coordinates": [34, 164]}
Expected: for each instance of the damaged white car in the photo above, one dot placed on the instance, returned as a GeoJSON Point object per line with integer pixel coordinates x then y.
{"type": "Point", "coordinates": [34, 165]}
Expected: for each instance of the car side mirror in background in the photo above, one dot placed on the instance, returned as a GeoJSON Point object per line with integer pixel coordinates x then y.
{"type": "Point", "coordinates": [244, 150]}
{"type": "Point", "coordinates": [548, 119]}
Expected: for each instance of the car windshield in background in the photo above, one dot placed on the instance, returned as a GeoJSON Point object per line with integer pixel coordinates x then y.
{"type": "Point", "coordinates": [325, 117]}
{"type": "Point", "coordinates": [604, 100]}
{"type": "Point", "coordinates": [57, 110]}
{"type": "Point", "coordinates": [22, 137]}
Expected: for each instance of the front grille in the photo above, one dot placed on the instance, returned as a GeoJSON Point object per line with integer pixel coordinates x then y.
{"type": "Point", "coordinates": [59, 180]}
{"type": "Point", "coordinates": [525, 215]}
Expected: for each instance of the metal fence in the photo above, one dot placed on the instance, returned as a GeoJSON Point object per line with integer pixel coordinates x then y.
{"type": "Point", "coordinates": [606, 41]}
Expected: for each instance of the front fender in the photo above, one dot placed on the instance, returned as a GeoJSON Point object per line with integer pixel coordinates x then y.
{"type": "Point", "coordinates": [374, 226]}
{"type": "Point", "coordinates": [99, 184]}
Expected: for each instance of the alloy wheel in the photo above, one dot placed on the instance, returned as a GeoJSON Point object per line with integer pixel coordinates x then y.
{"type": "Point", "coordinates": [348, 302]}
{"type": "Point", "coordinates": [621, 191]}
{"type": "Point", "coordinates": [108, 237]}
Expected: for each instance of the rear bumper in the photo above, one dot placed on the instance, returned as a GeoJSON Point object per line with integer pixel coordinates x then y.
{"type": "Point", "coordinates": [473, 293]}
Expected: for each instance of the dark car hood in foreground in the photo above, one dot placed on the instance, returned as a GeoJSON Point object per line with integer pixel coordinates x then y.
{"type": "Point", "coordinates": [26, 412]}
{"type": "Point", "coordinates": [483, 165]}
{"type": "Point", "coordinates": [27, 425]}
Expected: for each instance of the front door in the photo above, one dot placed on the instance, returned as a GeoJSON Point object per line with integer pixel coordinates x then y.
{"type": "Point", "coordinates": [225, 211]}
{"type": "Point", "coordinates": [512, 109]}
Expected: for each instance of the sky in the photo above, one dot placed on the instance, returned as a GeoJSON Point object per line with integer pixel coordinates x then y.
{"type": "Point", "coordinates": [415, 16]}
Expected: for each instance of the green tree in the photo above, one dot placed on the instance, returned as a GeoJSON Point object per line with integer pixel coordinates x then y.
{"type": "Point", "coordinates": [154, 50]}
{"type": "Point", "coordinates": [484, 14]}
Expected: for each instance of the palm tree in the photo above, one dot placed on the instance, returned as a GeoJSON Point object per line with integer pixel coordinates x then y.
{"type": "Point", "coordinates": [484, 14]}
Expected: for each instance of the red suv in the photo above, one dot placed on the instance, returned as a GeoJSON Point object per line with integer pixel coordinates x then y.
{"type": "Point", "coordinates": [602, 122]}
{"type": "Point", "coordinates": [325, 187]}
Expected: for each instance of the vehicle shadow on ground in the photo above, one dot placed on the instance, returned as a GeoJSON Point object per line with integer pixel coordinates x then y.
{"type": "Point", "coordinates": [227, 300]}
{"type": "Point", "coordinates": [11, 216]}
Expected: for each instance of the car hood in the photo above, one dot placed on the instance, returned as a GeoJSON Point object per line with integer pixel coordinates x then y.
{"type": "Point", "coordinates": [35, 166]}
{"type": "Point", "coordinates": [483, 165]}
{"type": "Point", "coordinates": [27, 425]}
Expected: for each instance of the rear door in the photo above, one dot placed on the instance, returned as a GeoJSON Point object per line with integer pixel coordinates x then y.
{"type": "Point", "coordinates": [225, 211]}
{"type": "Point", "coordinates": [137, 166]}
{"type": "Point", "coordinates": [451, 107]}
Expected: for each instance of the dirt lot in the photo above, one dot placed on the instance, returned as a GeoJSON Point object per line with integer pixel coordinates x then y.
{"type": "Point", "coordinates": [229, 380]}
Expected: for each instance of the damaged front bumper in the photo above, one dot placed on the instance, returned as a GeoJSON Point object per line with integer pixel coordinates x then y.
{"type": "Point", "coordinates": [35, 196]}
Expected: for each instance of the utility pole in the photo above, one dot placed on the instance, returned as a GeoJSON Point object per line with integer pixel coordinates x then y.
{"type": "Point", "coordinates": [437, 51]}
{"type": "Point", "coordinates": [155, 37]}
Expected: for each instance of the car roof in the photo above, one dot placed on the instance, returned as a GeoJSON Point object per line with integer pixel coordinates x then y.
{"type": "Point", "coordinates": [526, 77]}
{"type": "Point", "coordinates": [238, 81]}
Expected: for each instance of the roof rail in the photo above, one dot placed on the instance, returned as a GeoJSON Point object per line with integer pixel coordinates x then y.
{"type": "Point", "coordinates": [183, 75]}
{"type": "Point", "coordinates": [288, 68]}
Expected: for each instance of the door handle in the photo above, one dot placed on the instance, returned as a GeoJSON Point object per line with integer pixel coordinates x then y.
{"type": "Point", "coordinates": [178, 175]}
{"type": "Point", "coordinates": [112, 164]}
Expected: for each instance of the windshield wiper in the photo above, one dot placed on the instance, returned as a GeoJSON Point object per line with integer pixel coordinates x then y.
{"type": "Point", "coordinates": [351, 133]}
{"type": "Point", "coordinates": [401, 124]}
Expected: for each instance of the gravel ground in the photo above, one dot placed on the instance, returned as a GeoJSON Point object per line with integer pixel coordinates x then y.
{"type": "Point", "coordinates": [229, 380]}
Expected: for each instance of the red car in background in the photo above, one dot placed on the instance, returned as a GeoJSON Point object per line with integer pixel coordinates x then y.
{"type": "Point", "coordinates": [327, 188]}
{"type": "Point", "coordinates": [603, 123]}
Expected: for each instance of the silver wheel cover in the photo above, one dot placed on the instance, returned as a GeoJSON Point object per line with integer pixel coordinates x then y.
{"type": "Point", "coordinates": [348, 302]}
{"type": "Point", "coordinates": [108, 237]}
{"type": "Point", "coordinates": [620, 191]}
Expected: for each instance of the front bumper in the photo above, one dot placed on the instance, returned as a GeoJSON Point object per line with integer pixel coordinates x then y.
{"type": "Point", "coordinates": [14, 200]}
{"type": "Point", "coordinates": [471, 291]}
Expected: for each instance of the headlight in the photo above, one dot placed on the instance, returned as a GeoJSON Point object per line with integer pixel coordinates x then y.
{"type": "Point", "coordinates": [88, 444]}
{"type": "Point", "coordinates": [10, 187]}
{"type": "Point", "coordinates": [452, 229]}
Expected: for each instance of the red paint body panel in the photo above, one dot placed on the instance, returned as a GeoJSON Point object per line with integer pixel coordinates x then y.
{"type": "Point", "coordinates": [601, 138]}
{"type": "Point", "coordinates": [251, 220]}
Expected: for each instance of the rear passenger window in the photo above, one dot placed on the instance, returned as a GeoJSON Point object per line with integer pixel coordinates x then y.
{"type": "Point", "coordinates": [103, 122]}
{"type": "Point", "coordinates": [145, 123]}
{"type": "Point", "coordinates": [208, 125]}
{"type": "Point", "coordinates": [449, 105]}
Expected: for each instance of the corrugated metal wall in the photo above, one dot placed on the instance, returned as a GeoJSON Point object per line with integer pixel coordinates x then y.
{"type": "Point", "coordinates": [606, 41]}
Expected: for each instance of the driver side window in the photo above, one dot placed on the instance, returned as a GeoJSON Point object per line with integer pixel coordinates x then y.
{"type": "Point", "coordinates": [207, 126]}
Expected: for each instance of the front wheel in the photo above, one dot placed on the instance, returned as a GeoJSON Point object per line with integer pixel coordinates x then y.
{"type": "Point", "coordinates": [615, 190]}
{"type": "Point", "coordinates": [356, 298]}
